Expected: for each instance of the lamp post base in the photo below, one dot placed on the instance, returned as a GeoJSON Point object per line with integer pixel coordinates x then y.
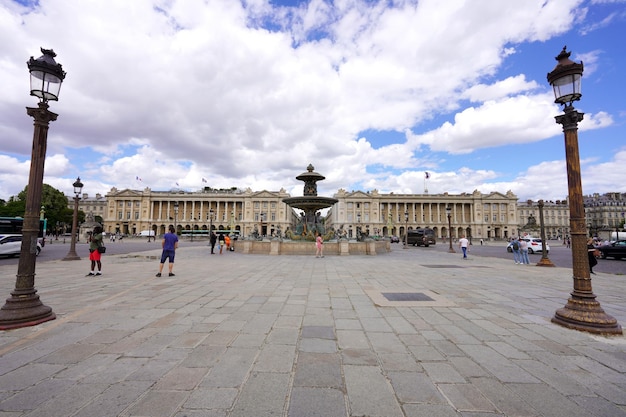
{"type": "Point", "coordinates": [584, 313]}
{"type": "Point", "coordinates": [24, 309]}
{"type": "Point", "coordinates": [451, 250]}
{"type": "Point", "coordinates": [71, 257]}
{"type": "Point", "coordinates": [545, 262]}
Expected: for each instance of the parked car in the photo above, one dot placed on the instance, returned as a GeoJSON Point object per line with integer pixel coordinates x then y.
{"type": "Point", "coordinates": [394, 239]}
{"type": "Point", "coordinates": [615, 250]}
{"type": "Point", "coordinates": [11, 245]}
{"type": "Point", "coordinates": [535, 245]}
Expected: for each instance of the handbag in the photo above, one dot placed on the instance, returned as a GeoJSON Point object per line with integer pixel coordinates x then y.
{"type": "Point", "coordinates": [102, 249]}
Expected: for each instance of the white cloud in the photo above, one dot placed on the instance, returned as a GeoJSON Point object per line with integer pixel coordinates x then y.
{"type": "Point", "coordinates": [180, 90]}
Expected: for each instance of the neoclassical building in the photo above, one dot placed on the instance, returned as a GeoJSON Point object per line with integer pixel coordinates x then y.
{"type": "Point", "coordinates": [241, 211]}
{"type": "Point", "coordinates": [555, 218]}
{"type": "Point", "coordinates": [605, 213]}
{"type": "Point", "coordinates": [476, 215]}
{"type": "Point", "coordinates": [492, 216]}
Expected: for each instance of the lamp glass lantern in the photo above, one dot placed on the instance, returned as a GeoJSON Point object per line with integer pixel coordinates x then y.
{"type": "Point", "coordinates": [46, 76]}
{"type": "Point", "coordinates": [565, 79]}
{"type": "Point", "coordinates": [78, 187]}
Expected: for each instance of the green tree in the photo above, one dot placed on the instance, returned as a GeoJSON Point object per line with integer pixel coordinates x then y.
{"type": "Point", "coordinates": [55, 205]}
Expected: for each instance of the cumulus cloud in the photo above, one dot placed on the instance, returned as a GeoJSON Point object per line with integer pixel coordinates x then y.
{"type": "Point", "coordinates": [249, 93]}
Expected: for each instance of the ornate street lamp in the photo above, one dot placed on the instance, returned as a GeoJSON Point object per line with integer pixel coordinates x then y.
{"type": "Point", "coordinates": [406, 229]}
{"type": "Point", "coordinates": [71, 255]}
{"type": "Point", "coordinates": [211, 212]}
{"type": "Point", "coordinates": [582, 311]}
{"type": "Point", "coordinates": [175, 216]}
{"type": "Point", "coordinates": [544, 261]}
{"type": "Point", "coordinates": [24, 308]}
{"type": "Point", "coordinates": [449, 213]}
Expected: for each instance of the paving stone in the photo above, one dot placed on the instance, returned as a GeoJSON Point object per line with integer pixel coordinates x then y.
{"type": "Point", "coordinates": [321, 370]}
{"type": "Point", "coordinates": [157, 404]}
{"type": "Point", "coordinates": [264, 394]}
{"type": "Point", "coordinates": [232, 368]}
{"type": "Point", "coordinates": [415, 387]}
{"type": "Point", "coordinates": [369, 393]}
{"type": "Point", "coordinates": [317, 402]}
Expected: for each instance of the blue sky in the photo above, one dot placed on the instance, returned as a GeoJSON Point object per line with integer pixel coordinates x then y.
{"type": "Point", "coordinates": [166, 93]}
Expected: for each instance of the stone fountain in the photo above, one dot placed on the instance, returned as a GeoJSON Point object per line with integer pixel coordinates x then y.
{"type": "Point", "coordinates": [310, 203]}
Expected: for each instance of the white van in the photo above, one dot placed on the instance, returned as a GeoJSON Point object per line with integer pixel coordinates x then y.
{"type": "Point", "coordinates": [146, 233]}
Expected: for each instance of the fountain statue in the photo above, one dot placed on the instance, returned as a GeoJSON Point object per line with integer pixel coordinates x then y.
{"type": "Point", "coordinates": [310, 203]}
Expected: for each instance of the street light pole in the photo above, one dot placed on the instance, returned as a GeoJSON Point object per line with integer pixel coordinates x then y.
{"type": "Point", "coordinates": [24, 307]}
{"type": "Point", "coordinates": [210, 222]}
{"type": "Point", "coordinates": [544, 261]}
{"type": "Point", "coordinates": [72, 255]}
{"type": "Point", "coordinates": [582, 311]}
{"type": "Point", "coordinates": [175, 216]}
{"type": "Point", "coordinates": [406, 229]}
{"type": "Point", "coordinates": [449, 213]}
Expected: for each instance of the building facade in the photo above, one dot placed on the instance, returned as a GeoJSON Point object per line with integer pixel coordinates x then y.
{"type": "Point", "coordinates": [490, 216]}
{"type": "Point", "coordinates": [555, 218]}
{"type": "Point", "coordinates": [605, 213]}
{"type": "Point", "coordinates": [493, 216]}
{"type": "Point", "coordinates": [244, 212]}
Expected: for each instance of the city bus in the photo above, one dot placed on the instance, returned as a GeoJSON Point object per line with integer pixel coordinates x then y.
{"type": "Point", "coordinates": [13, 226]}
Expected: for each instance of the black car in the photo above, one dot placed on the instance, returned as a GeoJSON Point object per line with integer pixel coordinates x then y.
{"type": "Point", "coordinates": [615, 250]}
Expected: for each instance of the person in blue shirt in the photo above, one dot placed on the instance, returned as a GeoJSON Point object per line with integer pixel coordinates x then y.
{"type": "Point", "coordinates": [169, 244]}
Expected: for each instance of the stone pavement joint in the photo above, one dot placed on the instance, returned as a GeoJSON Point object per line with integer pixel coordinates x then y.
{"type": "Point", "coordinates": [252, 336]}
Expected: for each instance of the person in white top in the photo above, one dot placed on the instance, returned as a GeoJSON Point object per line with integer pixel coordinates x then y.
{"type": "Point", "coordinates": [523, 249]}
{"type": "Point", "coordinates": [463, 242]}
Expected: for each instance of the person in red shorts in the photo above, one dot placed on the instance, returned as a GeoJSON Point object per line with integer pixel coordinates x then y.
{"type": "Point", "coordinates": [95, 241]}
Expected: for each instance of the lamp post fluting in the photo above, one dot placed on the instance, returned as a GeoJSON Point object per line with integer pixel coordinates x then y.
{"type": "Point", "coordinates": [175, 216]}
{"type": "Point", "coordinates": [406, 229]}
{"type": "Point", "coordinates": [582, 311]}
{"type": "Point", "coordinates": [24, 308]}
{"type": "Point", "coordinates": [449, 214]}
{"type": "Point", "coordinates": [544, 261]}
{"type": "Point", "coordinates": [72, 255]}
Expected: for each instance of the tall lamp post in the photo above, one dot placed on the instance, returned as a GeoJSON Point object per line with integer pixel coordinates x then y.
{"type": "Point", "coordinates": [449, 213]}
{"type": "Point", "coordinates": [72, 255]}
{"type": "Point", "coordinates": [211, 221]}
{"type": "Point", "coordinates": [24, 308]}
{"type": "Point", "coordinates": [406, 229]}
{"type": "Point", "coordinates": [175, 216]}
{"type": "Point", "coordinates": [544, 261]}
{"type": "Point", "coordinates": [582, 311]}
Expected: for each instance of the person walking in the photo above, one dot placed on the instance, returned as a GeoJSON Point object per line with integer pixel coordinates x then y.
{"type": "Point", "coordinates": [169, 245]}
{"type": "Point", "coordinates": [517, 256]}
{"type": "Point", "coordinates": [227, 242]}
{"type": "Point", "coordinates": [222, 243]}
{"type": "Point", "coordinates": [463, 242]}
{"type": "Point", "coordinates": [213, 241]}
{"type": "Point", "coordinates": [95, 241]}
{"type": "Point", "coordinates": [319, 245]}
{"type": "Point", "coordinates": [591, 252]}
{"type": "Point", "coordinates": [523, 249]}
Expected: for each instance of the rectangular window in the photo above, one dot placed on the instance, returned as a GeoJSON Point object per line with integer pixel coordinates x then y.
{"type": "Point", "coordinates": [486, 218]}
{"type": "Point", "coordinates": [367, 205]}
{"type": "Point", "coordinates": [350, 217]}
{"type": "Point", "coordinates": [350, 205]}
{"type": "Point", "coordinates": [119, 215]}
{"type": "Point", "coordinates": [136, 215]}
{"type": "Point", "coordinates": [273, 216]}
{"type": "Point", "coordinates": [128, 215]}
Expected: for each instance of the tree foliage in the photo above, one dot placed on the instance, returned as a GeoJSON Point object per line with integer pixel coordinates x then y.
{"type": "Point", "coordinates": [53, 201]}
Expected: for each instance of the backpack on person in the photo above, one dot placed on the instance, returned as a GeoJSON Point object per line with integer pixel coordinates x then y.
{"type": "Point", "coordinates": [515, 245]}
